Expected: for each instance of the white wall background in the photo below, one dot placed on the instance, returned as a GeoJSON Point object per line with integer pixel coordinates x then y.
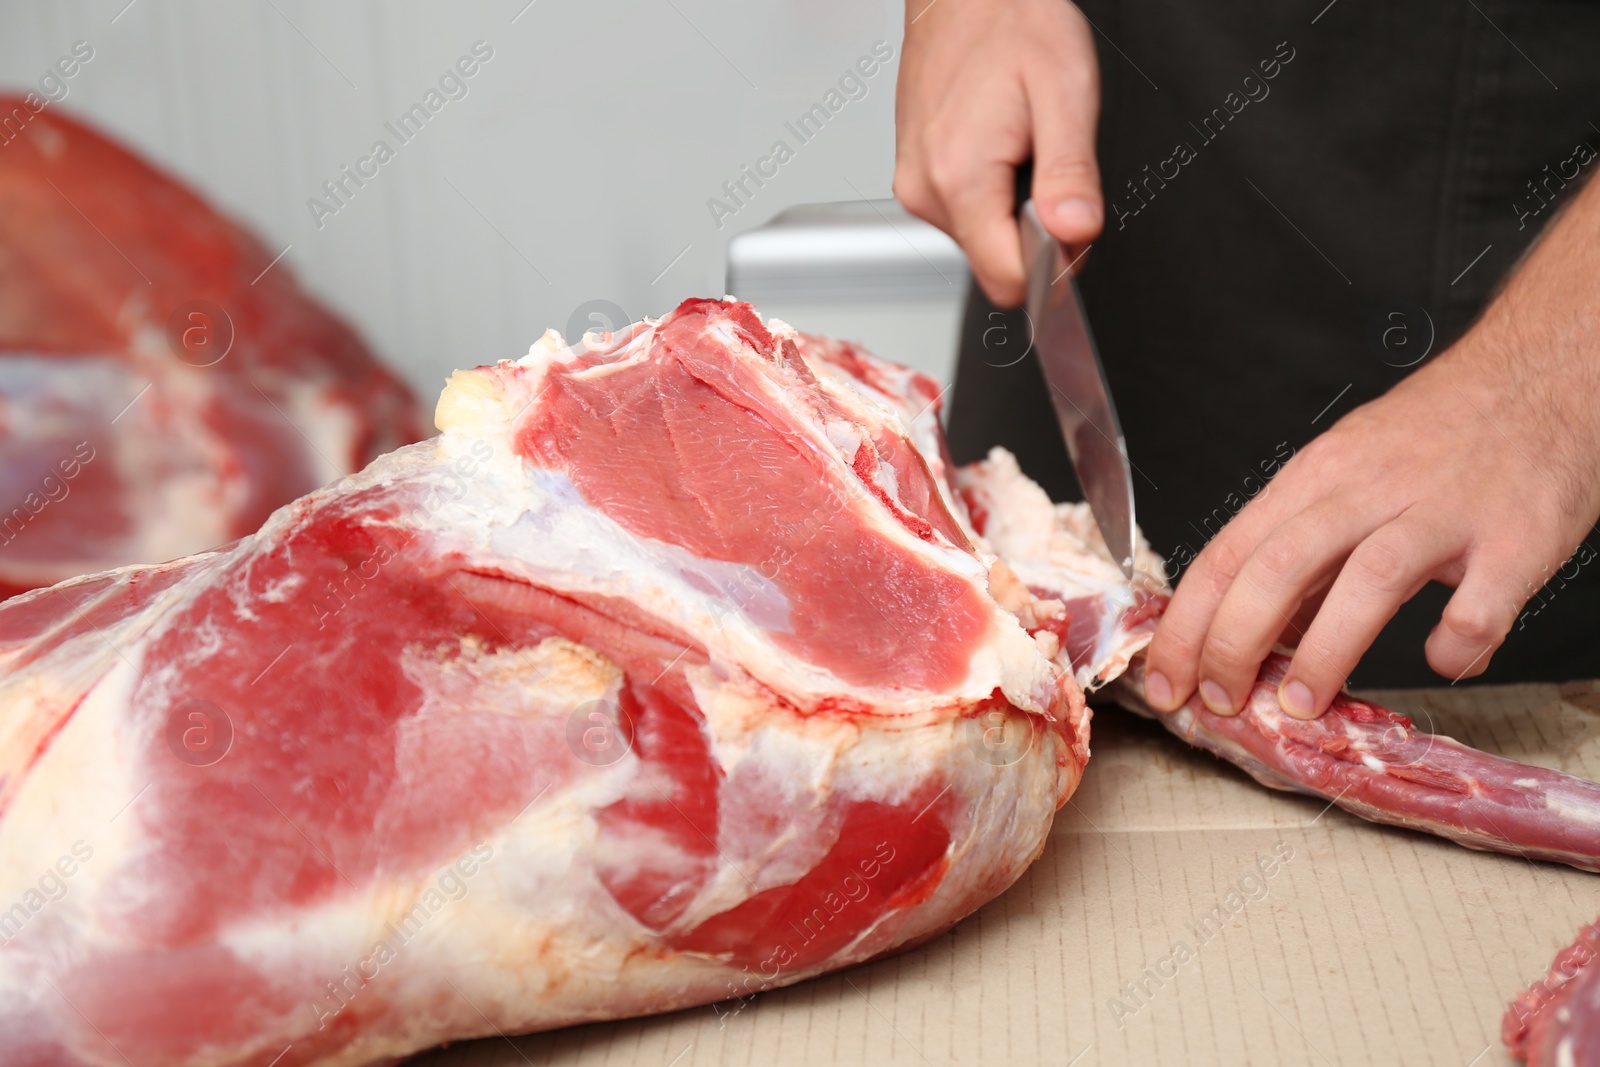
{"type": "Point", "coordinates": [577, 167]}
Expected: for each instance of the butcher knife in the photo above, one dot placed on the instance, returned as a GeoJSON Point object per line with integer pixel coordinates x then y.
{"type": "Point", "coordinates": [1078, 389]}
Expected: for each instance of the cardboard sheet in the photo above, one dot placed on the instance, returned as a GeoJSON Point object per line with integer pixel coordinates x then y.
{"type": "Point", "coordinates": [1181, 914]}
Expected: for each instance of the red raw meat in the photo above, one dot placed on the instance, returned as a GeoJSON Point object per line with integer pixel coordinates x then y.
{"type": "Point", "coordinates": [681, 666]}
{"type": "Point", "coordinates": [1366, 759]}
{"type": "Point", "coordinates": [667, 674]}
{"type": "Point", "coordinates": [156, 378]}
{"type": "Point", "coordinates": [1556, 1021]}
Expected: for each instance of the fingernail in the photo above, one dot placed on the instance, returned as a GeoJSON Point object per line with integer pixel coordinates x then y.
{"type": "Point", "coordinates": [1295, 698]}
{"type": "Point", "coordinates": [1077, 214]}
{"type": "Point", "coordinates": [1216, 697]}
{"type": "Point", "coordinates": [1157, 691]}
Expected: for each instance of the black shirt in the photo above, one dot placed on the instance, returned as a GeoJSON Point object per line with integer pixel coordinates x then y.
{"type": "Point", "coordinates": [1302, 203]}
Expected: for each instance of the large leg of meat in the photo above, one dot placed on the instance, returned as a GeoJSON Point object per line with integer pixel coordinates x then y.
{"type": "Point", "coordinates": [157, 368]}
{"type": "Point", "coordinates": [666, 674]}
{"type": "Point", "coordinates": [1364, 758]}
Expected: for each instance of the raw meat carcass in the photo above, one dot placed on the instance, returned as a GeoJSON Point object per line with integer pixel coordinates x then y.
{"type": "Point", "coordinates": [668, 673]}
{"type": "Point", "coordinates": [163, 384]}
{"type": "Point", "coordinates": [1366, 759]}
{"type": "Point", "coordinates": [681, 666]}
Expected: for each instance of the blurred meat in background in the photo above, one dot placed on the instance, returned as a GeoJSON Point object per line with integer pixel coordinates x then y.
{"type": "Point", "coordinates": [164, 382]}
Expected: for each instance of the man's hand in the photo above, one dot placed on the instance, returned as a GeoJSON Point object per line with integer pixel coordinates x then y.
{"type": "Point", "coordinates": [984, 86]}
{"type": "Point", "coordinates": [1481, 470]}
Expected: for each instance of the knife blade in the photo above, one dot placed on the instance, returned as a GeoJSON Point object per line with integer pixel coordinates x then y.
{"type": "Point", "coordinates": [1078, 389]}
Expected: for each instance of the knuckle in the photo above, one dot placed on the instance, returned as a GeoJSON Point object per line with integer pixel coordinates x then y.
{"type": "Point", "coordinates": [1170, 652]}
{"type": "Point", "coordinates": [1311, 459]}
{"type": "Point", "coordinates": [1380, 565]}
{"type": "Point", "coordinates": [1223, 655]}
{"type": "Point", "coordinates": [1318, 662]}
{"type": "Point", "coordinates": [996, 282]}
{"type": "Point", "coordinates": [1059, 39]}
{"type": "Point", "coordinates": [1220, 564]}
{"type": "Point", "coordinates": [1004, 290]}
{"type": "Point", "coordinates": [1173, 652]}
{"type": "Point", "coordinates": [947, 172]}
{"type": "Point", "coordinates": [1280, 558]}
{"type": "Point", "coordinates": [1475, 623]}
{"type": "Point", "coordinates": [912, 191]}
{"type": "Point", "coordinates": [1068, 169]}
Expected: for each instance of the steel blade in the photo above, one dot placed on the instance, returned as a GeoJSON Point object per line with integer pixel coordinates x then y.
{"type": "Point", "coordinates": [1078, 389]}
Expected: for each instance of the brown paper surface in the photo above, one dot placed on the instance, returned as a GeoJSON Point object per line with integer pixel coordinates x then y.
{"type": "Point", "coordinates": [1364, 944]}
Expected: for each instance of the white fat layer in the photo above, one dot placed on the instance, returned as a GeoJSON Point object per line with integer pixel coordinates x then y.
{"type": "Point", "coordinates": [93, 663]}
{"type": "Point", "coordinates": [579, 548]}
{"type": "Point", "coordinates": [532, 939]}
{"type": "Point", "coordinates": [1571, 810]}
{"type": "Point", "coordinates": [71, 828]}
{"type": "Point", "coordinates": [66, 806]}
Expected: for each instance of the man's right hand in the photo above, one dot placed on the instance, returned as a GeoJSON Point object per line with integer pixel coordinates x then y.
{"type": "Point", "coordinates": [984, 86]}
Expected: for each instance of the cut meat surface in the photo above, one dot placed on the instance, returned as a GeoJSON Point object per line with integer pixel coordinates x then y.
{"type": "Point", "coordinates": [669, 672]}
{"type": "Point", "coordinates": [1055, 550]}
{"type": "Point", "coordinates": [164, 383]}
{"type": "Point", "coordinates": [694, 429]}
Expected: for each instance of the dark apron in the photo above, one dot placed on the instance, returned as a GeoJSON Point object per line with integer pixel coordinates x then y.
{"type": "Point", "coordinates": [1317, 234]}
